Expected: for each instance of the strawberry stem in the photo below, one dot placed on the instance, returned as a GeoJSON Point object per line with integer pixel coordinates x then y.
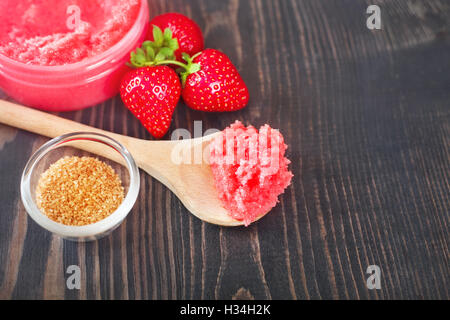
{"type": "Point", "coordinates": [174, 62]}
{"type": "Point", "coordinates": [185, 68]}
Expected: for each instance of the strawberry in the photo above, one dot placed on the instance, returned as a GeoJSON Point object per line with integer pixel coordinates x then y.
{"type": "Point", "coordinates": [151, 94]}
{"type": "Point", "coordinates": [186, 31]}
{"type": "Point", "coordinates": [212, 83]}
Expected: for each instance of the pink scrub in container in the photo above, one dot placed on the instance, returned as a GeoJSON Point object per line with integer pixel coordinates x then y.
{"type": "Point", "coordinates": [250, 170]}
{"type": "Point", "coordinates": [62, 55]}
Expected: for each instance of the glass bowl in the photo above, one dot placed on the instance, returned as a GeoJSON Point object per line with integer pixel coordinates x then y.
{"type": "Point", "coordinates": [73, 144]}
{"type": "Point", "coordinates": [91, 81]}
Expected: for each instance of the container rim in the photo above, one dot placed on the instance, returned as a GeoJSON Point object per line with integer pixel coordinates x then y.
{"type": "Point", "coordinates": [87, 64]}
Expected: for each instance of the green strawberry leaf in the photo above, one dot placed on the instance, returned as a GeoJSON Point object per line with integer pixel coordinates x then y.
{"type": "Point", "coordinates": [186, 57]}
{"type": "Point", "coordinates": [160, 57]}
{"type": "Point", "coordinates": [140, 52]}
{"type": "Point", "coordinates": [168, 35]}
{"type": "Point", "coordinates": [167, 52]}
{"type": "Point", "coordinates": [158, 37]}
{"type": "Point", "coordinates": [150, 53]}
{"type": "Point", "coordinates": [193, 68]}
{"type": "Point", "coordinates": [138, 58]}
{"type": "Point", "coordinates": [147, 43]}
{"type": "Point", "coordinates": [164, 54]}
{"type": "Point", "coordinates": [173, 44]}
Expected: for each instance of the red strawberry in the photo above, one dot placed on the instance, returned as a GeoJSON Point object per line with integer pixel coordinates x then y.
{"type": "Point", "coordinates": [152, 93]}
{"type": "Point", "coordinates": [185, 30]}
{"type": "Point", "coordinates": [212, 83]}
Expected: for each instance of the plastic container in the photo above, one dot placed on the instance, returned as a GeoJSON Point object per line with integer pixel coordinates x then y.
{"type": "Point", "coordinates": [70, 144]}
{"type": "Point", "coordinates": [77, 85]}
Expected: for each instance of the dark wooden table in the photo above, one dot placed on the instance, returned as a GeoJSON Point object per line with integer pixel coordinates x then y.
{"type": "Point", "coordinates": [366, 116]}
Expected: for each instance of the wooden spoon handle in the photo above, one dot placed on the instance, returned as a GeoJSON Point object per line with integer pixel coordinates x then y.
{"type": "Point", "coordinates": [150, 155]}
{"type": "Point", "coordinates": [53, 126]}
{"type": "Point", "coordinates": [41, 122]}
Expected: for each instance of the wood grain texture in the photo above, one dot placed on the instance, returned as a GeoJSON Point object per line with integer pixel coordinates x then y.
{"type": "Point", "coordinates": [366, 116]}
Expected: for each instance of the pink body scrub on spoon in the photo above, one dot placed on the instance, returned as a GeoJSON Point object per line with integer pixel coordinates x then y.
{"type": "Point", "coordinates": [59, 32]}
{"type": "Point", "coordinates": [249, 169]}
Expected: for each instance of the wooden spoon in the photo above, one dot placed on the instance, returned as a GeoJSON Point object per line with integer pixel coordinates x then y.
{"type": "Point", "coordinates": [192, 183]}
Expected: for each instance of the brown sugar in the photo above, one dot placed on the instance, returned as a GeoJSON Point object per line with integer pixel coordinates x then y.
{"type": "Point", "coordinates": [79, 191]}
